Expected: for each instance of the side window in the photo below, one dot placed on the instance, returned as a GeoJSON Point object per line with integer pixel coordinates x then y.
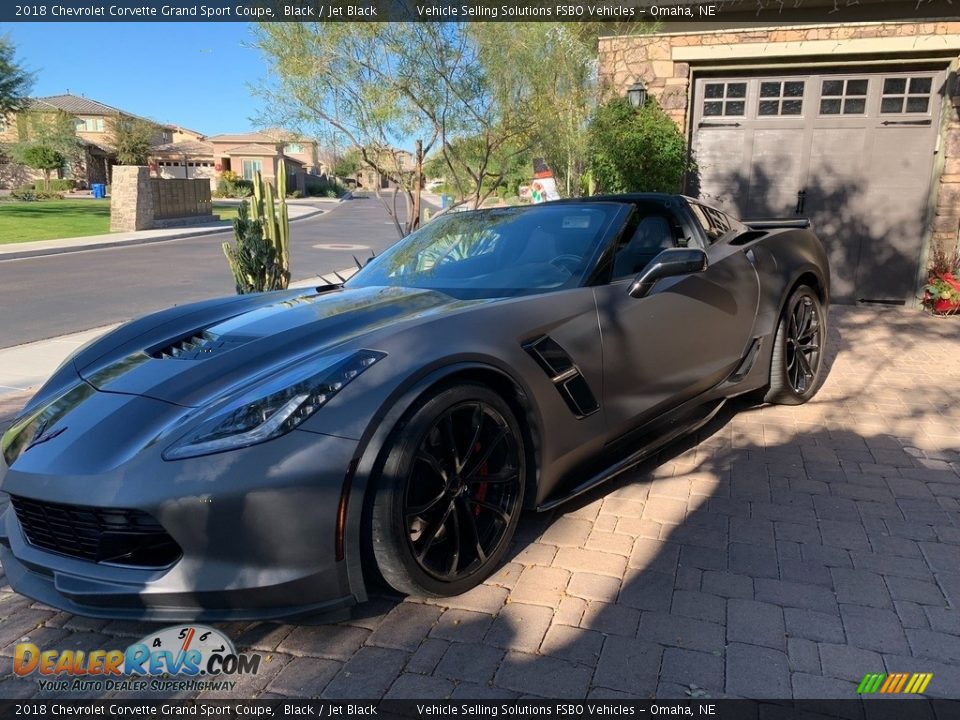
{"type": "Point", "coordinates": [715, 224]}
{"type": "Point", "coordinates": [645, 237]}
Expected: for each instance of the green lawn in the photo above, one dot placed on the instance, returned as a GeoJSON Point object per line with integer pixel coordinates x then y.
{"type": "Point", "coordinates": [226, 212]}
{"type": "Point", "coordinates": [50, 219]}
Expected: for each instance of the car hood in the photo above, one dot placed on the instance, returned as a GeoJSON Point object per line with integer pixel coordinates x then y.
{"type": "Point", "coordinates": [193, 368]}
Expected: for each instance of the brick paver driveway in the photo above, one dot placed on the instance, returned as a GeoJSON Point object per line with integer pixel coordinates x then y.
{"type": "Point", "coordinates": [786, 552]}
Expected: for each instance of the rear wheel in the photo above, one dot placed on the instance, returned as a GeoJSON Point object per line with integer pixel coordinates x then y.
{"type": "Point", "coordinates": [796, 365]}
{"type": "Point", "coordinates": [449, 497]}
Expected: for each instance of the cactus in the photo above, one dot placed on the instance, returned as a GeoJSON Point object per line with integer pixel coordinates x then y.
{"type": "Point", "coordinates": [260, 260]}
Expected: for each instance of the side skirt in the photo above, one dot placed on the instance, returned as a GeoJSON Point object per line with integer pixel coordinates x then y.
{"type": "Point", "coordinates": [674, 430]}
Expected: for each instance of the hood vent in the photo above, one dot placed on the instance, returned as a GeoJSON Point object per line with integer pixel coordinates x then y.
{"type": "Point", "coordinates": [196, 346]}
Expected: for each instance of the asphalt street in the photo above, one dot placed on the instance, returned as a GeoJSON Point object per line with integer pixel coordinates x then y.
{"type": "Point", "coordinates": [44, 297]}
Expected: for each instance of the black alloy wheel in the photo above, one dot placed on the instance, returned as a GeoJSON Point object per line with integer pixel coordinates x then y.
{"type": "Point", "coordinates": [804, 341]}
{"type": "Point", "coordinates": [463, 491]}
{"type": "Point", "coordinates": [450, 494]}
{"type": "Point", "coordinates": [797, 367]}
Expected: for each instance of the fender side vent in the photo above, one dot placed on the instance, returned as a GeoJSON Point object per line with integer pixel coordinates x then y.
{"type": "Point", "coordinates": [564, 374]}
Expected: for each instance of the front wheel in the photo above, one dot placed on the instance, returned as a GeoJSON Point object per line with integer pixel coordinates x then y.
{"type": "Point", "coordinates": [449, 497]}
{"type": "Point", "coordinates": [796, 365]}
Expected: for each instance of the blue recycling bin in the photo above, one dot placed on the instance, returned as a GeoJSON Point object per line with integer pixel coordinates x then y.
{"type": "Point", "coordinates": [99, 190]}
{"type": "Point", "coordinates": [445, 201]}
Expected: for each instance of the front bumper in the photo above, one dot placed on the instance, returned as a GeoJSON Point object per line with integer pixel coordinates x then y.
{"type": "Point", "coordinates": [257, 529]}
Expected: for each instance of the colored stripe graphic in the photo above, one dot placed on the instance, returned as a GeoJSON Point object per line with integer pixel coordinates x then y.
{"type": "Point", "coordinates": [894, 683]}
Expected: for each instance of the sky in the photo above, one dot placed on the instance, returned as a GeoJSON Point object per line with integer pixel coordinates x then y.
{"type": "Point", "coordinates": [197, 75]}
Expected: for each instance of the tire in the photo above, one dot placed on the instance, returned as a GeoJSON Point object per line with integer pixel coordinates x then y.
{"type": "Point", "coordinates": [802, 324]}
{"type": "Point", "coordinates": [442, 519]}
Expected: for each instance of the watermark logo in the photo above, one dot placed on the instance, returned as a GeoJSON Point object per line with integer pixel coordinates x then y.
{"type": "Point", "coordinates": [182, 652]}
{"type": "Point", "coordinates": [894, 683]}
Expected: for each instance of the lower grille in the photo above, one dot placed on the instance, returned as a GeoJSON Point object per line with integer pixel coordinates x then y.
{"type": "Point", "coordinates": [105, 535]}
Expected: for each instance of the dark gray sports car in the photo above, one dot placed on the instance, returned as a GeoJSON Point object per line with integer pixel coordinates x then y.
{"type": "Point", "coordinates": [268, 455]}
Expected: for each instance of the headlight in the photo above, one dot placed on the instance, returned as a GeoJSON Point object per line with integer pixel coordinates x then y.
{"type": "Point", "coordinates": [272, 408]}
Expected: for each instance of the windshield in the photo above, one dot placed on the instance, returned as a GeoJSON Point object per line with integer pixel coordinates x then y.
{"type": "Point", "coordinates": [496, 253]}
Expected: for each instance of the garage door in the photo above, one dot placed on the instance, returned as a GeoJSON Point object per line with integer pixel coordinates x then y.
{"type": "Point", "coordinates": [853, 152]}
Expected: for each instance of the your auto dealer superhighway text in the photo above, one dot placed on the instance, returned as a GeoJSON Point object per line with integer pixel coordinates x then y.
{"type": "Point", "coordinates": [145, 11]}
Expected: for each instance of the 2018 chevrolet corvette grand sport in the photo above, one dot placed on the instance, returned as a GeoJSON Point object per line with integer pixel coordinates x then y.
{"type": "Point", "coordinates": [268, 455]}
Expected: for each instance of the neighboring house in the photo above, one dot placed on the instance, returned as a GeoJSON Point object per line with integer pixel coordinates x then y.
{"type": "Point", "coordinates": [177, 152]}
{"type": "Point", "coordinates": [181, 134]}
{"type": "Point", "coordinates": [245, 153]}
{"type": "Point", "coordinates": [92, 121]}
{"type": "Point", "coordinates": [853, 124]}
{"type": "Point", "coordinates": [187, 158]}
{"type": "Point", "coordinates": [394, 163]}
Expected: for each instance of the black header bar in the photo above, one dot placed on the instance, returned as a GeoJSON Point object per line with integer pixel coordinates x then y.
{"type": "Point", "coordinates": [700, 709]}
{"type": "Point", "coordinates": [774, 11]}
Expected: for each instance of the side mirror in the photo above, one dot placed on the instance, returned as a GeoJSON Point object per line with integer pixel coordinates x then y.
{"type": "Point", "coordinates": [669, 263]}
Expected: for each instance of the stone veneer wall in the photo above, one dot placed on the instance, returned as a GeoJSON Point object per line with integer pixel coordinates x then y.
{"type": "Point", "coordinates": [131, 199]}
{"type": "Point", "coordinates": [141, 202]}
{"type": "Point", "coordinates": [624, 60]}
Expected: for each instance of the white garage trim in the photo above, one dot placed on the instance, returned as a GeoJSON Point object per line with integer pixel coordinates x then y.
{"type": "Point", "coordinates": [799, 48]}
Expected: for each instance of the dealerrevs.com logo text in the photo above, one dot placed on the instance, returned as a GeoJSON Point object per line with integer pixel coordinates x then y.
{"type": "Point", "coordinates": [177, 658]}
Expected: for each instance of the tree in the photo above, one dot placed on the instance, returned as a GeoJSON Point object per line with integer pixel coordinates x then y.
{"type": "Point", "coordinates": [132, 139]}
{"type": "Point", "coordinates": [380, 84]}
{"type": "Point", "coordinates": [548, 72]}
{"type": "Point", "coordinates": [42, 157]}
{"type": "Point", "coordinates": [56, 130]}
{"type": "Point", "coordinates": [636, 150]}
{"type": "Point", "coordinates": [471, 163]}
{"type": "Point", "coordinates": [347, 165]}
{"type": "Point", "coordinates": [15, 82]}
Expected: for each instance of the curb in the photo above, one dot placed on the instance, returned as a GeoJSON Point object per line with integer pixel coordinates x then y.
{"type": "Point", "coordinates": [187, 232]}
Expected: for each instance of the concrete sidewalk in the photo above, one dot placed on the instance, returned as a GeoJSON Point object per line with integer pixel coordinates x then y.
{"type": "Point", "coordinates": [23, 368]}
{"type": "Point", "coordinates": [297, 210]}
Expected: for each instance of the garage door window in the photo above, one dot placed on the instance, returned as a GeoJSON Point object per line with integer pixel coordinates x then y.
{"type": "Point", "coordinates": [906, 95]}
{"type": "Point", "coordinates": [843, 97]}
{"type": "Point", "coordinates": [724, 99]}
{"type": "Point", "coordinates": [781, 98]}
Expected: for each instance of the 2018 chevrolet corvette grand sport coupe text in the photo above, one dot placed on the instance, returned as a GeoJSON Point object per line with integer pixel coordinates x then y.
{"type": "Point", "coordinates": [270, 455]}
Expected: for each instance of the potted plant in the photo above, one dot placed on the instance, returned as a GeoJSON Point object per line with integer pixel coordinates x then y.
{"type": "Point", "coordinates": [941, 295]}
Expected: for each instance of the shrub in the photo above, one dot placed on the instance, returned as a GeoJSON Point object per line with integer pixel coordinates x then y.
{"type": "Point", "coordinates": [636, 149]}
{"type": "Point", "coordinates": [27, 193]}
{"type": "Point", "coordinates": [296, 194]}
{"type": "Point", "coordinates": [233, 186]}
{"type": "Point", "coordinates": [56, 185]}
{"type": "Point", "coordinates": [24, 192]}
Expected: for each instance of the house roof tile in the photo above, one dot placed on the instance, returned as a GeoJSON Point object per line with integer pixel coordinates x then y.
{"type": "Point", "coordinates": [185, 147]}
{"type": "Point", "coordinates": [252, 149]}
{"type": "Point", "coordinates": [77, 105]}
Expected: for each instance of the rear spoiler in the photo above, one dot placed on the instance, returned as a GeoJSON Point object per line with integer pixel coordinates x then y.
{"type": "Point", "coordinates": [775, 224]}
